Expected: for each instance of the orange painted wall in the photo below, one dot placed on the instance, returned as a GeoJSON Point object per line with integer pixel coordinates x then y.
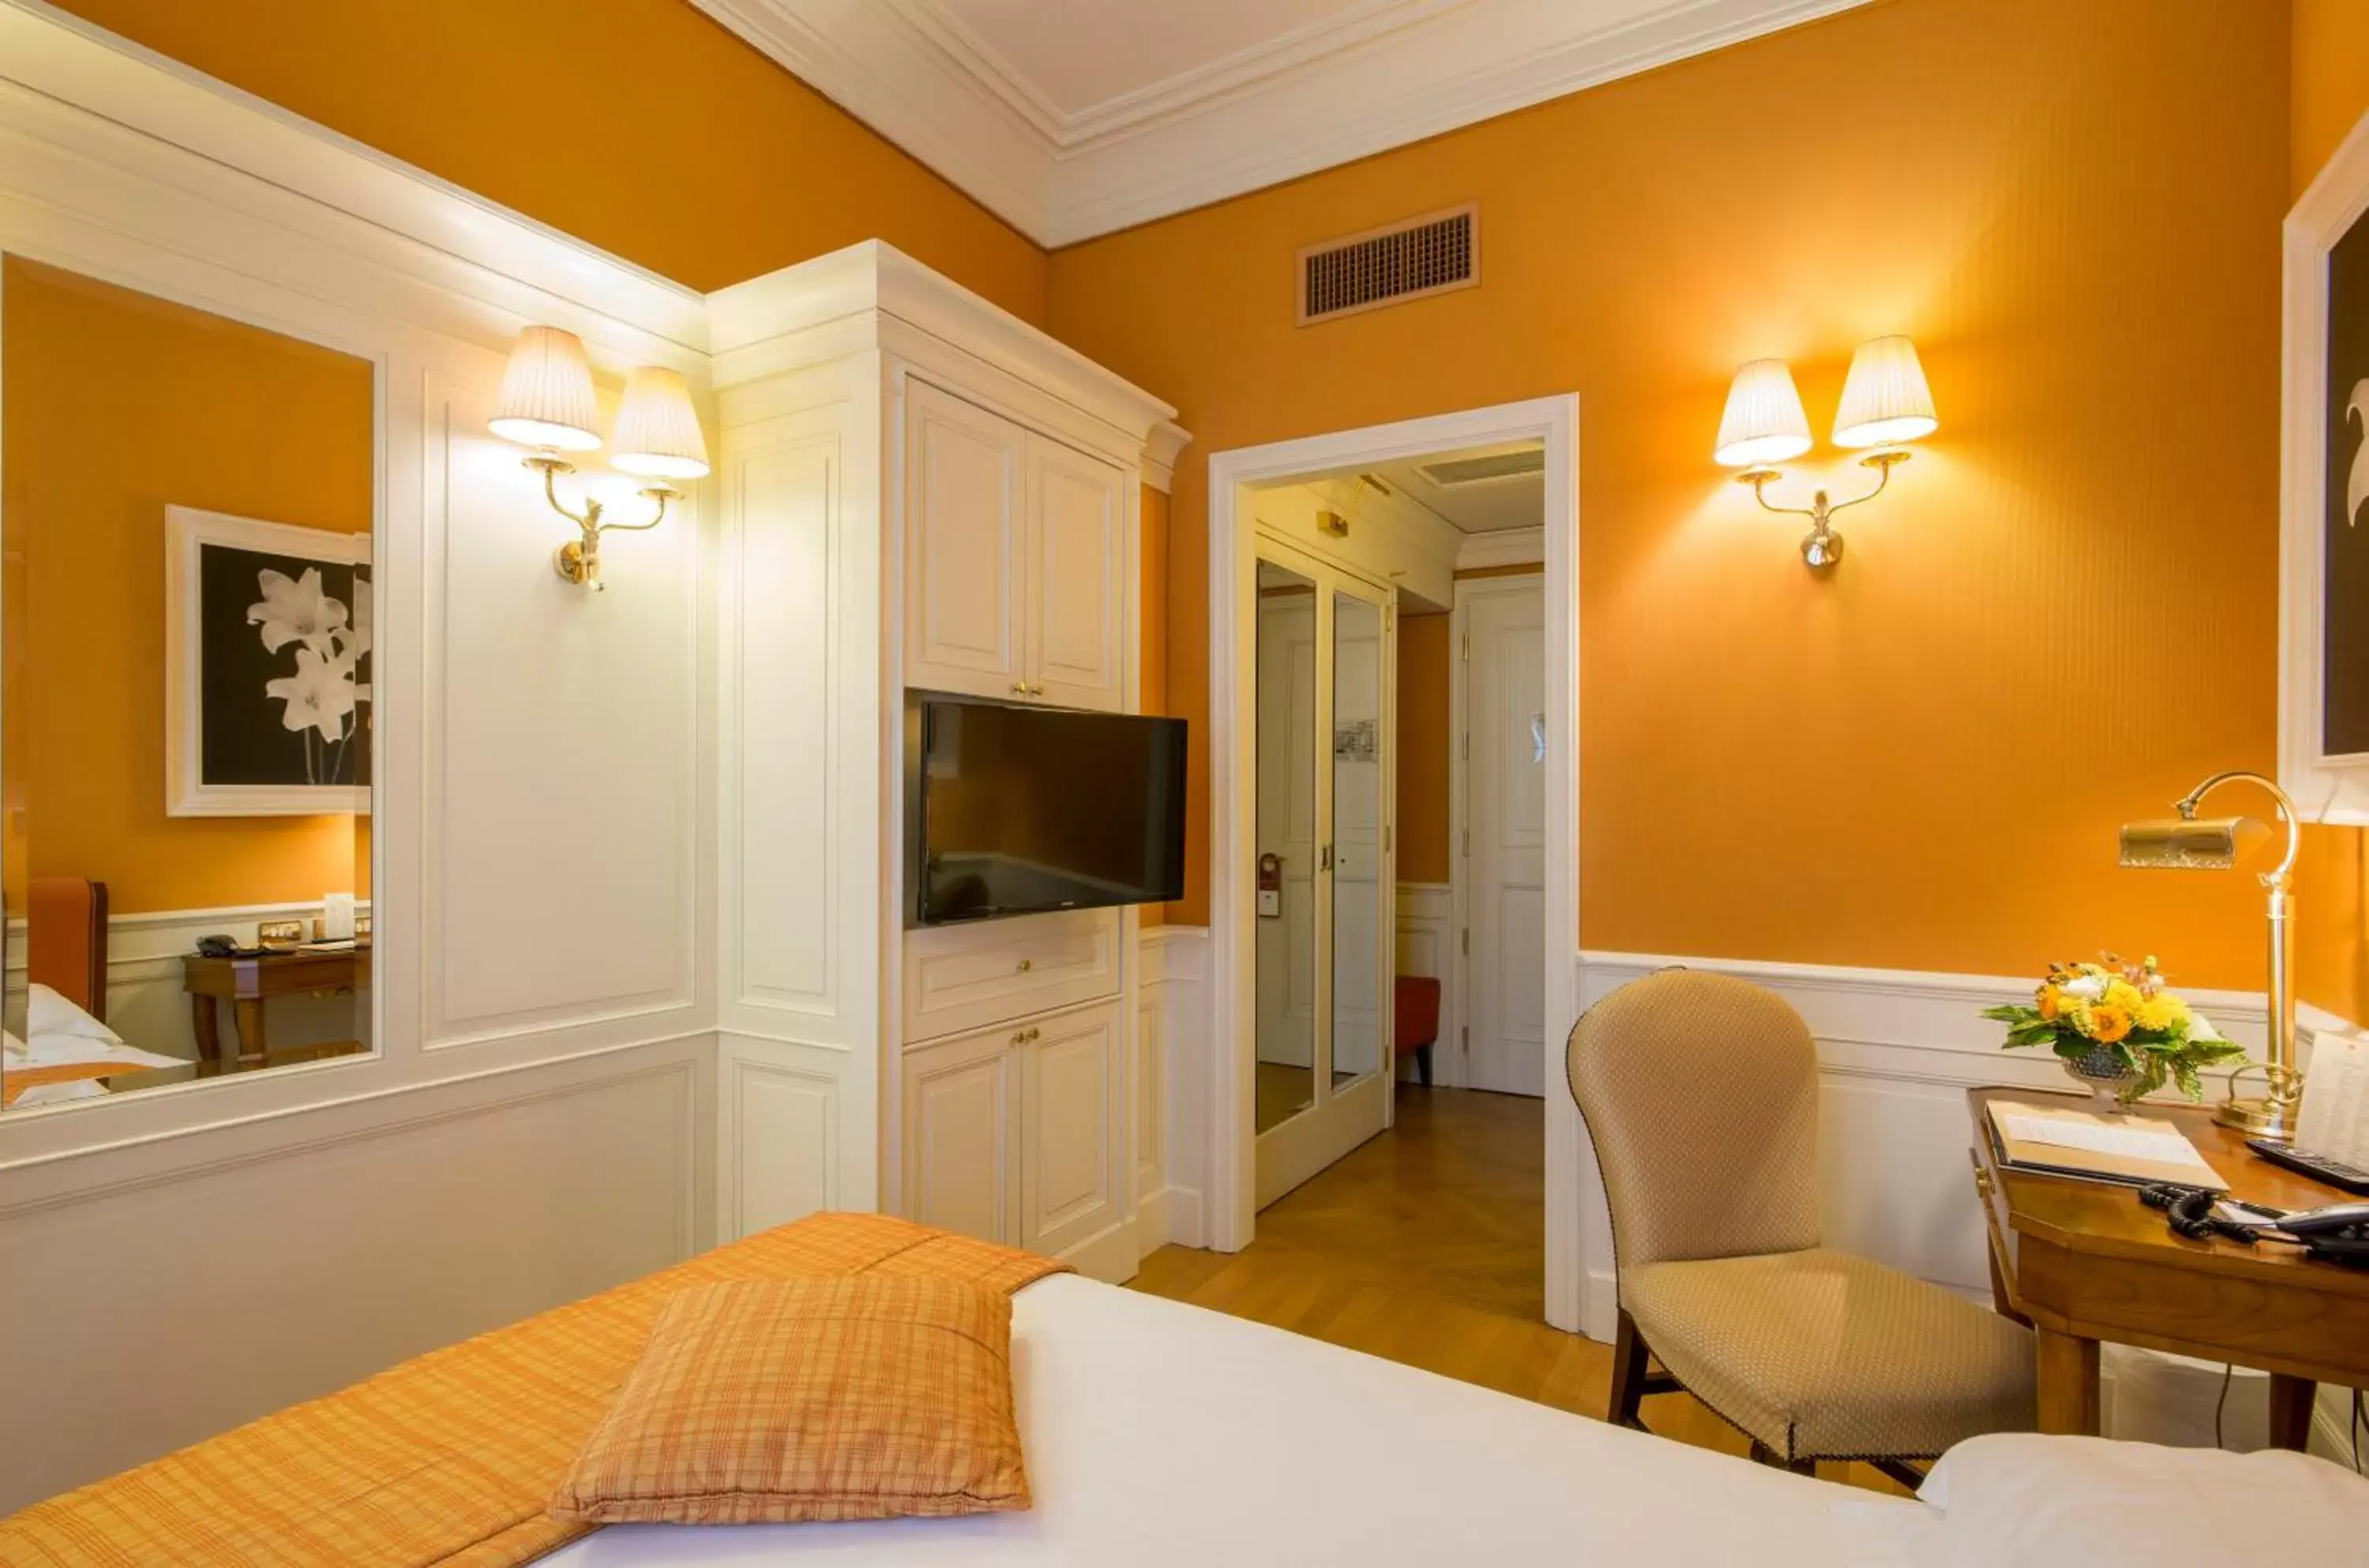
{"type": "Point", "coordinates": [2331, 92]}
{"type": "Point", "coordinates": [114, 404]}
{"type": "Point", "coordinates": [2064, 612]}
{"type": "Point", "coordinates": [638, 125]}
{"type": "Point", "coordinates": [1425, 746]}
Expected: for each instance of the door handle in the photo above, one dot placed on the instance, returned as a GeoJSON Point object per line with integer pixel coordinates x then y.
{"type": "Point", "coordinates": [1325, 859]}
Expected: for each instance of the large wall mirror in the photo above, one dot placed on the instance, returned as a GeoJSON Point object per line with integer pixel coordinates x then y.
{"type": "Point", "coordinates": [185, 693]}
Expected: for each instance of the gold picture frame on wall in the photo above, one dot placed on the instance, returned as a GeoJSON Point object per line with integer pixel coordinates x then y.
{"type": "Point", "coordinates": [267, 641]}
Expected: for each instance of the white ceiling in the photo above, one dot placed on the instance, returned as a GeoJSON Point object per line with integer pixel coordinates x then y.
{"type": "Point", "coordinates": [1487, 505]}
{"type": "Point", "coordinates": [1074, 118]}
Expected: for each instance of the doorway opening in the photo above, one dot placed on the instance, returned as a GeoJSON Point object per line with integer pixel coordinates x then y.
{"type": "Point", "coordinates": [1389, 808]}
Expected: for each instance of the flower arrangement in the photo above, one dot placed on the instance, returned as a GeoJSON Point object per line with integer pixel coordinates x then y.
{"type": "Point", "coordinates": [2113, 1021]}
{"type": "Point", "coordinates": [319, 701]}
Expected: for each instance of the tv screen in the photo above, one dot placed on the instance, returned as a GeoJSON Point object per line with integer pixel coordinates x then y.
{"type": "Point", "coordinates": [1018, 809]}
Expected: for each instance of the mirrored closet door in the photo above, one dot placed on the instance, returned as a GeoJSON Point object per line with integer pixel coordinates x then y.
{"type": "Point", "coordinates": [1324, 898]}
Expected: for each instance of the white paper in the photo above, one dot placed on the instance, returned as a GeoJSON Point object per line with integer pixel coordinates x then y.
{"type": "Point", "coordinates": [2164, 1144]}
{"type": "Point", "coordinates": [2334, 1121]}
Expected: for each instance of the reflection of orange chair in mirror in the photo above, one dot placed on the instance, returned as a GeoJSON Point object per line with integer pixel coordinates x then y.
{"type": "Point", "coordinates": [65, 943]}
{"type": "Point", "coordinates": [1415, 998]}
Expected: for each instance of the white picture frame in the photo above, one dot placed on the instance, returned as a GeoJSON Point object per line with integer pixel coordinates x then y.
{"type": "Point", "coordinates": [188, 532]}
{"type": "Point", "coordinates": [2329, 786]}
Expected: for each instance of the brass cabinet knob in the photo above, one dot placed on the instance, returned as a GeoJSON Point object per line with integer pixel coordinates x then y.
{"type": "Point", "coordinates": [1027, 965]}
{"type": "Point", "coordinates": [1020, 688]}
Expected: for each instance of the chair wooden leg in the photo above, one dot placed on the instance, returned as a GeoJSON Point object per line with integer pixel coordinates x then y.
{"type": "Point", "coordinates": [1628, 1375]}
{"type": "Point", "coordinates": [1762, 1454]}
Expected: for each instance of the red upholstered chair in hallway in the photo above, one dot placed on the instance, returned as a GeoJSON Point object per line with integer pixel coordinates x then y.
{"type": "Point", "coordinates": [1415, 1014]}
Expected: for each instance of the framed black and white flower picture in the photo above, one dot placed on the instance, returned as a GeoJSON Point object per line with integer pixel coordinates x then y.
{"type": "Point", "coordinates": [2324, 538]}
{"type": "Point", "coordinates": [268, 667]}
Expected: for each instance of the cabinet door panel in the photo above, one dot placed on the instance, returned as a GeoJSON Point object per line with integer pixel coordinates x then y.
{"type": "Point", "coordinates": [958, 1110]}
{"type": "Point", "coordinates": [965, 547]}
{"type": "Point", "coordinates": [1069, 1121]}
{"type": "Point", "coordinates": [1075, 508]}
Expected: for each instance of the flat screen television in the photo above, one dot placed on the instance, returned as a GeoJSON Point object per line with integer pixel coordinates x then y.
{"type": "Point", "coordinates": [1013, 808]}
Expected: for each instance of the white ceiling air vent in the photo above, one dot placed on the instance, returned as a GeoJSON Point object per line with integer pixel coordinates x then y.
{"type": "Point", "coordinates": [1400, 261]}
{"type": "Point", "coordinates": [1488, 468]}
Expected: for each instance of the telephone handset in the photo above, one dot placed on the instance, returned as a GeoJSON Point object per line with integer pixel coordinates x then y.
{"type": "Point", "coordinates": [2336, 1233]}
{"type": "Point", "coordinates": [2339, 1233]}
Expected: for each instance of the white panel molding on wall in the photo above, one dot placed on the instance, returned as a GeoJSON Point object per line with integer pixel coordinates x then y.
{"type": "Point", "coordinates": [1369, 77]}
{"type": "Point", "coordinates": [1175, 1045]}
{"type": "Point", "coordinates": [543, 824]}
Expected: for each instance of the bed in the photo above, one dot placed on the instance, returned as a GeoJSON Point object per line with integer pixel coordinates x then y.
{"type": "Point", "coordinates": [1157, 1435]}
{"type": "Point", "coordinates": [1163, 1435]}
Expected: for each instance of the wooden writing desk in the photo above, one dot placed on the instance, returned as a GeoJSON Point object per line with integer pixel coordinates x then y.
{"type": "Point", "coordinates": [247, 983]}
{"type": "Point", "coordinates": [2083, 1262]}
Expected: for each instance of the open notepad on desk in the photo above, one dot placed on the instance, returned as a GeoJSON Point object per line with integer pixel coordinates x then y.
{"type": "Point", "coordinates": [2130, 1150]}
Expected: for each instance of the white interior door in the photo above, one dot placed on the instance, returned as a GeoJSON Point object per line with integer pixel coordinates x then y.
{"type": "Point", "coordinates": [1501, 812]}
{"type": "Point", "coordinates": [1324, 795]}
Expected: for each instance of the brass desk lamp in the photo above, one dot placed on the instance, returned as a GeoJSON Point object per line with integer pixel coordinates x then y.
{"type": "Point", "coordinates": [2187, 842]}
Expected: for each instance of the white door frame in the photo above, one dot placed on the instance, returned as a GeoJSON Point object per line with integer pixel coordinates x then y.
{"type": "Point", "coordinates": [1576, 1230]}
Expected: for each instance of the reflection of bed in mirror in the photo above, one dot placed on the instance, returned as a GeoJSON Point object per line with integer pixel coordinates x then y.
{"type": "Point", "coordinates": [60, 1047]}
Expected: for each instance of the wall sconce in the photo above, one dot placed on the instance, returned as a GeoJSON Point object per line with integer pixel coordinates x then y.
{"type": "Point", "coordinates": [546, 403]}
{"type": "Point", "coordinates": [1886, 403]}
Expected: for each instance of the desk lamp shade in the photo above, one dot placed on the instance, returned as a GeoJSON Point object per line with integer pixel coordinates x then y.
{"type": "Point", "coordinates": [2179, 843]}
{"type": "Point", "coordinates": [546, 396]}
{"type": "Point", "coordinates": [1886, 399]}
{"type": "Point", "coordinates": [658, 434]}
{"type": "Point", "coordinates": [1764, 422]}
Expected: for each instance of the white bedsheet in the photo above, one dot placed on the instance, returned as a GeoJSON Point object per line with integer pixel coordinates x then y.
{"type": "Point", "coordinates": [1163, 1436]}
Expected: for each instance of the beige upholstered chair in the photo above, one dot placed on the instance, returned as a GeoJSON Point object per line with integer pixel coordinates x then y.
{"type": "Point", "coordinates": [1701, 1093]}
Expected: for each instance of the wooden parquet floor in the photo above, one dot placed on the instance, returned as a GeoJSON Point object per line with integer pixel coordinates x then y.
{"type": "Point", "coordinates": [1426, 1247]}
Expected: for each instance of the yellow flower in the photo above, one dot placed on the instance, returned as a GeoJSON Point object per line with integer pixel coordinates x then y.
{"type": "Point", "coordinates": [2051, 999]}
{"type": "Point", "coordinates": [2122, 994]}
{"type": "Point", "coordinates": [2161, 1011]}
{"type": "Point", "coordinates": [2107, 1024]}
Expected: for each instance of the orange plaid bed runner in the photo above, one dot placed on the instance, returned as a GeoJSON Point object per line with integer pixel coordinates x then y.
{"type": "Point", "coordinates": [450, 1457]}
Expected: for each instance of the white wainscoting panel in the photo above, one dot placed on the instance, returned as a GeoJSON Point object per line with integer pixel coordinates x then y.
{"type": "Point", "coordinates": [799, 734]}
{"type": "Point", "coordinates": [136, 1323]}
{"type": "Point", "coordinates": [1426, 945]}
{"type": "Point", "coordinates": [1174, 1041]}
{"type": "Point", "coordinates": [563, 748]}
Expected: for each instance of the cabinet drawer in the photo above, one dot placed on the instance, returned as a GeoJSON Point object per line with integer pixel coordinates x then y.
{"type": "Point", "coordinates": [960, 978]}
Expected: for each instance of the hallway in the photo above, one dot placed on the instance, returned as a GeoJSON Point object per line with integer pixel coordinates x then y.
{"type": "Point", "coordinates": [1425, 1247]}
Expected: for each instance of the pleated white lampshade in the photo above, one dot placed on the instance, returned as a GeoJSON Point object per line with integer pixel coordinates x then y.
{"type": "Point", "coordinates": [1764, 422]}
{"type": "Point", "coordinates": [657, 432]}
{"type": "Point", "coordinates": [546, 396]}
{"type": "Point", "coordinates": [1886, 399]}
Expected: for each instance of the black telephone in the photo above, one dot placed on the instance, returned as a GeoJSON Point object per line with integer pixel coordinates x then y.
{"type": "Point", "coordinates": [2337, 1233]}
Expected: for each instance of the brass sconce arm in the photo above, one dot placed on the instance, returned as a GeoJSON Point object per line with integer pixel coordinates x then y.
{"type": "Point", "coordinates": [2279, 877]}
{"type": "Point", "coordinates": [1822, 546]}
{"type": "Point", "coordinates": [579, 561]}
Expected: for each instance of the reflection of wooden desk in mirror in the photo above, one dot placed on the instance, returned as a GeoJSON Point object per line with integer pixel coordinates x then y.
{"type": "Point", "coordinates": [247, 983]}
{"type": "Point", "coordinates": [2084, 1261]}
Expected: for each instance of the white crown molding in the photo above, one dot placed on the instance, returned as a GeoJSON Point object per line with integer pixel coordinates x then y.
{"type": "Point", "coordinates": [1168, 438]}
{"type": "Point", "coordinates": [810, 310]}
{"type": "Point", "coordinates": [1501, 547]}
{"type": "Point", "coordinates": [1377, 75]}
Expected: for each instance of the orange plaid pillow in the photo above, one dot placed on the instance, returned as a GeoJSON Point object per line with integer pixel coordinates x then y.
{"type": "Point", "coordinates": [852, 1397]}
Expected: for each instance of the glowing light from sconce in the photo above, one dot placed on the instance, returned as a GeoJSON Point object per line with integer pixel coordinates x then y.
{"type": "Point", "coordinates": [1885, 398]}
{"type": "Point", "coordinates": [1764, 422]}
{"type": "Point", "coordinates": [546, 394]}
{"type": "Point", "coordinates": [1885, 405]}
{"type": "Point", "coordinates": [546, 403]}
{"type": "Point", "coordinates": [658, 434]}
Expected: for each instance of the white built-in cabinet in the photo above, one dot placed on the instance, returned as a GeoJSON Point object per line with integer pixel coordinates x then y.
{"type": "Point", "coordinates": [917, 492]}
{"type": "Point", "coordinates": [1012, 585]}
